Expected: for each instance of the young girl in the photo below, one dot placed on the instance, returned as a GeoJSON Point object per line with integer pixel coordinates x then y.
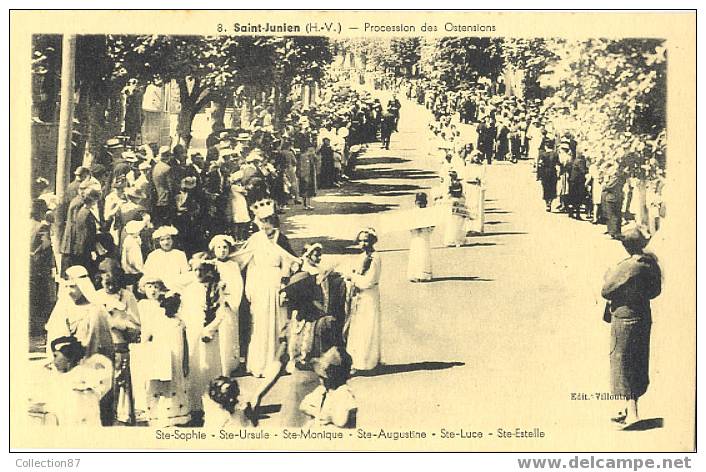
{"type": "Point", "coordinates": [167, 400]}
{"type": "Point", "coordinates": [166, 262]}
{"type": "Point", "coordinates": [222, 408]}
{"type": "Point", "coordinates": [419, 265]}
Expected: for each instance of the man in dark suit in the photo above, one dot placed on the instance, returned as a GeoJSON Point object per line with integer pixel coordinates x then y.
{"type": "Point", "coordinates": [83, 244]}
{"type": "Point", "coordinates": [577, 185]}
{"type": "Point", "coordinates": [163, 180]}
{"type": "Point", "coordinates": [612, 198]}
{"type": "Point", "coordinates": [486, 138]}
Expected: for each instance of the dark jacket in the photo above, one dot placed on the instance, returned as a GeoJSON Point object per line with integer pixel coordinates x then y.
{"type": "Point", "coordinates": [163, 180]}
{"type": "Point", "coordinates": [631, 285]}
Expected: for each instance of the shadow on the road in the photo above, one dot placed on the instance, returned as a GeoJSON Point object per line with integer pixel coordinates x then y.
{"type": "Point", "coordinates": [495, 222]}
{"type": "Point", "coordinates": [387, 173]}
{"type": "Point", "coordinates": [498, 233]}
{"type": "Point", "coordinates": [363, 161]}
{"type": "Point", "coordinates": [331, 245]}
{"type": "Point", "coordinates": [496, 211]}
{"type": "Point", "coordinates": [362, 188]}
{"type": "Point", "coordinates": [459, 278]}
{"type": "Point", "coordinates": [644, 425]}
{"type": "Point", "coordinates": [387, 369]}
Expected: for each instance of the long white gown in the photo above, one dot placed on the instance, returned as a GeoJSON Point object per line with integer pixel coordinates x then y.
{"type": "Point", "coordinates": [266, 264]}
{"type": "Point", "coordinates": [419, 264]}
{"type": "Point", "coordinates": [229, 329]}
{"type": "Point", "coordinates": [474, 191]}
{"type": "Point", "coordinates": [166, 400]}
{"type": "Point", "coordinates": [454, 227]}
{"type": "Point", "coordinates": [364, 329]}
{"type": "Point", "coordinates": [204, 357]}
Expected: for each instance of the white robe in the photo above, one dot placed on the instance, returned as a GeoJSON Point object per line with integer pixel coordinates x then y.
{"type": "Point", "coordinates": [266, 264]}
{"type": "Point", "coordinates": [419, 264]}
{"type": "Point", "coordinates": [229, 329]}
{"type": "Point", "coordinates": [364, 330]}
{"type": "Point", "coordinates": [204, 357]}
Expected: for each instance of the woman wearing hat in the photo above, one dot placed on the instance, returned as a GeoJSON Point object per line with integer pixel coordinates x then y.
{"type": "Point", "coordinates": [362, 326]}
{"type": "Point", "coordinates": [131, 258]}
{"type": "Point", "coordinates": [166, 262]}
{"type": "Point", "coordinates": [308, 170]}
{"type": "Point", "coordinates": [164, 334]}
{"type": "Point", "coordinates": [629, 287]}
{"type": "Point", "coordinates": [222, 247]}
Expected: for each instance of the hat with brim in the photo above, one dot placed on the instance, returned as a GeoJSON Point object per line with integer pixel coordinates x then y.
{"type": "Point", "coordinates": [163, 231]}
{"type": "Point", "coordinates": [113, 143]}
{"type": "Point", "coordinates": [130, 156]}
{"type": "Point", "coordinates": [243, 137]}
{"type": "Point", "coordinates": [81, 170]}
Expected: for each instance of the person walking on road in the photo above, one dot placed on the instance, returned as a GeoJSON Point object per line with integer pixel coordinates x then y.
{"type": "Point", "coordinates": [629, 287]}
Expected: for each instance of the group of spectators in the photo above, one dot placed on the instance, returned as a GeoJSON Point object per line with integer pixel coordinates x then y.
{"type": "Point", "coordinates": [158, 245]}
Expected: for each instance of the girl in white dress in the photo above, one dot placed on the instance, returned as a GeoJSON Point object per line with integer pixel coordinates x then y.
{"type": "Point", "coordinates": [166, 400]}
{"type": "Point", "coordinates": [362, 327]}
{"type": "Point", "coordinates": [222, 246]}
{"type": "Point", "coordinates": [419, 265]}
{"type": "Point", "coordinates": [165, 262]}
{"type": "Point", "coordinates": [203, 310]}
{"type": "Point", "coordinates": [267, 263]}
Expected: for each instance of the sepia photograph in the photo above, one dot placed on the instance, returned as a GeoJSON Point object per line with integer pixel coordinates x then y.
{"type": "Point", "coordinates": [353, 231]}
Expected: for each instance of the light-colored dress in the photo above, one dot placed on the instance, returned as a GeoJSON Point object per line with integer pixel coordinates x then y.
{"type": "Point", "coordinates": [364, 322]}
{"type": "Point", "coordinates": [229, 329]}
{"type": "Point", "coordinates": [455, 223]}
{"type": "Point", "coordinates": [419, 265]}
{"type": "Point", "coordinates": [217, 418]}
{"type": "Point", "coordinates": [166, 400]}
{"type": "Point", "coordinates": [266, 264]}
{"type": "Point", "coordinates": [204, 357]}
{"type": "Point", "coordinates": [330, 407]}
{"type": "Point", "coordinates": [89, 323]}
{"type": "Point", "coordinates": [474, 191]}
{"type": "Point", "coordinates": [170, 266]}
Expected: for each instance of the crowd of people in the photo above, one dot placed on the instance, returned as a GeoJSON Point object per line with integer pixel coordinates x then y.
{"type": "Point", "coordinates": [509, 128]}
{"type": "Point", "coordinates": [172, 274]}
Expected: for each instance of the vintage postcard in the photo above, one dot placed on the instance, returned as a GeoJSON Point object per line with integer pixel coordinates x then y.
{"type": "Point", "coordinates": [353, 230]}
